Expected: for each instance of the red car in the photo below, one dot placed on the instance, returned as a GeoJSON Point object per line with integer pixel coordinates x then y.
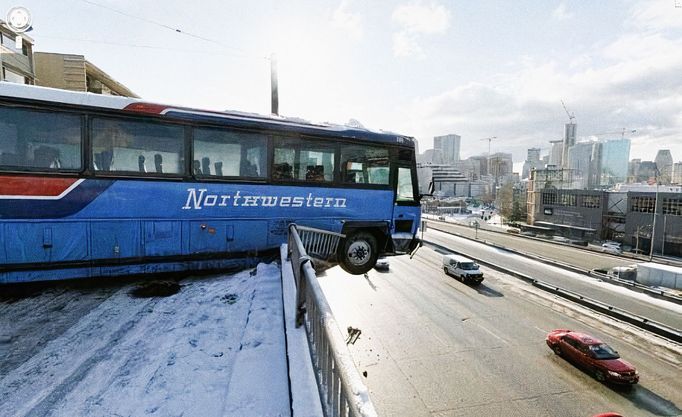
{"type": "Point", "coordinates": [593, 355]}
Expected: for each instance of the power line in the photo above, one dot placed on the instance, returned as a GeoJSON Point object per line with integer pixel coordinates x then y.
{"type": "Point", "coordinates": [165, 26]}
{"type": "Point", "coordinates": [131, 45]}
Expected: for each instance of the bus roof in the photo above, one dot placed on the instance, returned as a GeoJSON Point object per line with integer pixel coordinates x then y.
{"type": "Point", "coordinates": [232, 118]}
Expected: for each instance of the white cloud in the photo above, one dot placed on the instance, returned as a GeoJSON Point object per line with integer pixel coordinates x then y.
{"type": "Point", "coordinates": [416, 20]}
{"type": "Point", "coordinates": [419, 18]}
{"type": "Point", "coordinates": [351, 23]}
{"type": "Point", "coordinates": [561, 12]}
{"type": "Point", "coordinates": [656, 15]}
{"type": "Point", "coordinates": [406, 45]}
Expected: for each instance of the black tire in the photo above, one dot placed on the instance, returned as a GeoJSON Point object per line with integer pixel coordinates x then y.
{"type": "Point", "coordinates": [599, 376]}
{"type": "Point", "coordinates": [445, 269]}
{"type": "Point", "coordinates": [557, 350]}
{"type": "Point", "coordinates": [358, 252]}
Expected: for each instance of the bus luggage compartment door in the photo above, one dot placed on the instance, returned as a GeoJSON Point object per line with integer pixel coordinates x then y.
{"type": "Point", "coordinates": [227, 236]}
{"type": "Point", "coordinates": [45, 242]}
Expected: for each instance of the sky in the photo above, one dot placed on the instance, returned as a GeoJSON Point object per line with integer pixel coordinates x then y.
{"type": "Point", "coordinates": [417, 67]}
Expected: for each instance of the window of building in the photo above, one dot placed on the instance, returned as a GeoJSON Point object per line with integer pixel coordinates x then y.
{"type": "Point", "coordinates": [643, 204]}
{"type": "Point", "coordinates": [364, 165]}
{"type": "Point", "coordinates": [549, 198]}
{"type": "Point", "coordinates": [34, 140]}
{"type": "Point", "coordinates": [303, 160]}
{"type": "Point", "coordinates": [13, 77]}
{"type": "Point", "coordinates": [140, 147]}
{"type": "Point", "coordinates": [591, 201]}
{"type": "Point", "coordinates": [672, 206]}
{"type": "Point", "coordinates": [226, 153]}
{"type": "Point", "coordinates": [566, 199]}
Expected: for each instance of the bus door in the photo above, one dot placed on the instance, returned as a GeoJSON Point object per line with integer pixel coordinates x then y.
{"type": "Point", "coordinates": [406, 211]}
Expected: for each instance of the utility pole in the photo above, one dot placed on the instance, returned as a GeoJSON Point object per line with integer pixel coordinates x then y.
{"type": "Point", "coordinates": [653, 226]}
{"type": "Point", "coordinates": [274, 93]}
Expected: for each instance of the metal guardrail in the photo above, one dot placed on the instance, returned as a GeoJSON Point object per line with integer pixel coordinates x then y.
{"type": "Point", "coordinates": [341, 389]}
{"type": "Point", "coordinates": [319, 244]}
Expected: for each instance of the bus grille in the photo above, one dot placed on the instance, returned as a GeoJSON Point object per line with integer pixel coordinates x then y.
{"type": "Point", "coordinates": [320, 244]}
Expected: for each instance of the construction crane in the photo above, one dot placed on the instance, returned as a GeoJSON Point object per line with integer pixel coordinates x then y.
{"type": "Point", "coordinates": [489, 139]}
{"type": "Point", "coordinates": [571, 116]}
{"type": "Point", "coordinates": [622, 132]}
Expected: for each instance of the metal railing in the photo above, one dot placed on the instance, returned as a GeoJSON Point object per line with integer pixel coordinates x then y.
{"type": "Point", "coordinates": [319, 244]}
{"type": "Point", "coordinates": [341, 389]}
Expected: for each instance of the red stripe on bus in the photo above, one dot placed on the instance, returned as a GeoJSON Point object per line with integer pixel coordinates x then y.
{"type": "Point", "coordinates": [35, 186]}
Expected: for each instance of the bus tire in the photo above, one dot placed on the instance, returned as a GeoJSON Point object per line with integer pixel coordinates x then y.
{"type": "Point", "coordinates": [358, 252]}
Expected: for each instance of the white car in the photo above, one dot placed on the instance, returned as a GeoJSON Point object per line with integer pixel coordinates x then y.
{"type": "Point", "coordinates": [612, 248]}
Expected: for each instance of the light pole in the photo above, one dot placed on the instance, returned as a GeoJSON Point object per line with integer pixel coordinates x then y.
{"type": "Point", "coordinates": [653, 223]}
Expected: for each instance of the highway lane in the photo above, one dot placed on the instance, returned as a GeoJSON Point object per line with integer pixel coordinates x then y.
{"type": "Point", "coordinates": [432, 346]}
{"type": "Point", "coordinates": [662, 311]}
{"type": "Point", "coordinates": [560, 252]}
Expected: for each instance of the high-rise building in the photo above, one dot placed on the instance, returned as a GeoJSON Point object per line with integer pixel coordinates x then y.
{"type": "Point", "coordinates": [555, 154]}
{"type": "Point", "coordinates": [633, 170]}
{"type": "Point", "coordinates": [500, 167]}
{"type": "Point", "coordinates": [570, 130]}
{"type": "Point", "coordinates": [580, 164]}
{"type": "Point", "coordinates": [449, 145]}
{"type": "Point", "coordinates": [533, 161]}
{"type": "Point", "coordinates": [677, 173]}
{"type": "Point", "coordinates": [664, 163]}
{"type": "Point", "coordinates": [614, 161]}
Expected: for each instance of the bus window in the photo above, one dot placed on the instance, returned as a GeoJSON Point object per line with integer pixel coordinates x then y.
{"type": "Point", "coordinates": [303, 160]}
{"type": "Point", "coordinates": [39, 140]}
{"type": "Point", "coordinates": [132, 146]}
{"type": "Point", "coordinates": [405, 189]}
{"type": "Point", "coordinates": [364, 165]}
{"type": "Point", "coordinates": [225, 153]}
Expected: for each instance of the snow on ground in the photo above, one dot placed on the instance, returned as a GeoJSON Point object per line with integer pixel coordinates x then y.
{"type": "Point", "coordinates": [216, 348]}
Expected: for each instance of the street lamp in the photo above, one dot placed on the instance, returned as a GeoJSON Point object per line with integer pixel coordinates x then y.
{"type": "Point", "coordinates": [653, 223]}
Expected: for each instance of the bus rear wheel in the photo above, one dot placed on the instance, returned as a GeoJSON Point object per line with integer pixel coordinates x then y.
{"type": "Point", "coordinates": [358, 253]}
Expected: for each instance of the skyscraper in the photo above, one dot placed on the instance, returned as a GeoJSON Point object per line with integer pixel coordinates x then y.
{"type": "Point", "coordinates": [532, 162]}
{"type": "Point", "coordinates": [664, 163]}
{"type": "Point", "coordinates": [614, 161]}
{"type": "Point", "coordinates": [555, 154]}
{"type": "Point", "coordinates": [580, 163]}
{"type": "Point", "coordinates": [570, 130]}
{"type": "Point", "coordinates": [449, 146]}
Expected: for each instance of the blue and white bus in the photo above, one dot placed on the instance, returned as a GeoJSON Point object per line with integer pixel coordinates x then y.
{"type": "Point", "coordinates": [95, 185]}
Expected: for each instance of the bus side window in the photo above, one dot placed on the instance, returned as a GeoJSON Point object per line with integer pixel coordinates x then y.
{"type": "Point", "coordinates": [44, 140]}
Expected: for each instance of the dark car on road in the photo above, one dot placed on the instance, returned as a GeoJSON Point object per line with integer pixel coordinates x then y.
{"type": "Point", "coordinates": [593, 355]}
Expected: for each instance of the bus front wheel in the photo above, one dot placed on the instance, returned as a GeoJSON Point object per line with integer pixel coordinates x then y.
{"type": "Point", "coordinates": [358, 253]}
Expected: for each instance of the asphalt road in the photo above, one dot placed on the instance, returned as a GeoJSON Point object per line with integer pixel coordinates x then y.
{"type": "Point", "coordinates": [569, 254]}
{"type": "Point", "coordinates": [432, 346]}
{"type": "Point", "coordinates": [658, 310]}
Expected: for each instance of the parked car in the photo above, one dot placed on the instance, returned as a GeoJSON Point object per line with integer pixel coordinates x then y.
{"type": "Point", "coordinates": [612, 248]}
{"type": "Point", "coordinates": [560, 239]}
{"type": "Point", "coordinates": [528, 233]}
{"type": "Point", "coordinates": [462, 268]}
{"type": "Point", "coordinates": [382, 264]}
{"type": "Point", "coordinates": [593, 355]}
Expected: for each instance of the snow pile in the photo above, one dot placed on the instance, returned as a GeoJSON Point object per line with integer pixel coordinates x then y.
{"type": "Point", "coordinates": [216, 348]}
